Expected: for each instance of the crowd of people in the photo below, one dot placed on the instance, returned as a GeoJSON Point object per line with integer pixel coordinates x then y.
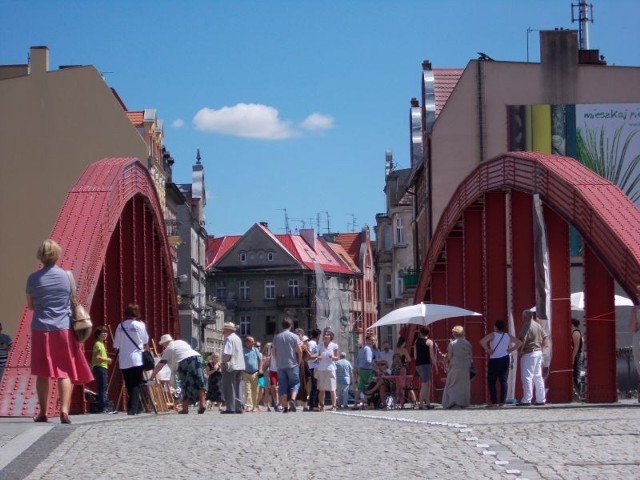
{"type": "Point", "coordinates": [292, 372]}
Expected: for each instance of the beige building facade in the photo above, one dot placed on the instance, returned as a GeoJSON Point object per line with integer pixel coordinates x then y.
{"type": "Point", "coordinates": [395, 247]}
{"type": "Point", "coordinates": [53, 124]}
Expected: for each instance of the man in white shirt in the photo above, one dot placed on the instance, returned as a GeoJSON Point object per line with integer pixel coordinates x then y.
{"type": "Point", "coordinates": [232, 369]}
{"type": "Point", "coordinates": [187, 365]}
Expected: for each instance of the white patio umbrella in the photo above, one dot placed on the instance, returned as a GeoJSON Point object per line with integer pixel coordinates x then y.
{"type": "Point", "coordinates": [422, 314]}
{"type": "Point", "coordinates": [577, 301]}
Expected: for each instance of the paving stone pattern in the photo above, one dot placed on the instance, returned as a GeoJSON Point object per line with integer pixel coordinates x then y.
{"type": "Point", "coordinates": [510, 443]}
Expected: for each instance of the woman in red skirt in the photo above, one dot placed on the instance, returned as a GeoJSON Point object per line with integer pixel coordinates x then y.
{"type": "Point", "coordinates": [55, 352]}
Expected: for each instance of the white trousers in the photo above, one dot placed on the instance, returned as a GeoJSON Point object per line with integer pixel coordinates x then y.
{"type": "Point", "coordinates": [531, 373]}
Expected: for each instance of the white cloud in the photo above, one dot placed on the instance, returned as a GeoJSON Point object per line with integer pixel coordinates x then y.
{"type": "Point", "coordinates": [177, 123]}
{"type": "Point", "coordinates": [250, 120]}
{"type": "Point", "coordinates": [317, 122]}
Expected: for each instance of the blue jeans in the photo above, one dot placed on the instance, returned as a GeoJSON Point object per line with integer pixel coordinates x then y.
{"type": "Point", "coordinates": [288, 380]}
{"type": "Point", "coordinates": [343, 394]}
{"type": "Point", "coordinates": [100, 374]}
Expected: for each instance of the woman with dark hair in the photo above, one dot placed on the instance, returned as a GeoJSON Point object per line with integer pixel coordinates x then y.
{"type": "Point", "coordinates": [499, 345]}
{"type": "Point", "coordinates": [100, 362]}
{"type": "Point", "coordinates": [130, 340]}
{"type": "Point", "coordinates": [55, 352]}
{"type": "Point", "coordinates": [401, 349]}
{"type": "Point", "coordinates": [426, 364]}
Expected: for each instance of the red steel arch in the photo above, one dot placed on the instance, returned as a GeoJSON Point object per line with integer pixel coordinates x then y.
{"type": "Point", "coordinates": [112, 232]}
{"type": "Point", "coordinates": [484, 239]}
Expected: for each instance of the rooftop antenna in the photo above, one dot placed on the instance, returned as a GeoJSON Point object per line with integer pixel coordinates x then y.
{"type": "Point", "coordinates": [584, 16]}
{"type": "Point", "coordinates": [353, 222]}
{"type": "Point", "coordinates": [300, 220]}
{"type": "Point", "coordinates": [286, 221]}
{"type": "Point", "coordinates": [529, 30]}
{"type": "Point", "coordinates": [328, 222]}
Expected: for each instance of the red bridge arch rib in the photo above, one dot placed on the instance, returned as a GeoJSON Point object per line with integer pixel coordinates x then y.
{"type": "Point", "coordinates": [480, 257]}
{"type": "Point", "coordinates": [112, 232]}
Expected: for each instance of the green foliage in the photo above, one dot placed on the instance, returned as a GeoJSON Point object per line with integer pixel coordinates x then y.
{"type": "Point", "coordinates": [607, 157]}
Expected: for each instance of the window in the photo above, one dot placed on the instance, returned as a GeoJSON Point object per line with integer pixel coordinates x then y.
{"type": "Point", "coordinates": [294, 288]}
{"type": "Point", "coordinates": [243, 257]}
{"type": "Point", "coordinates": [270, 256]}
{"type": "Point", "coordinates": [399, 285]}
{"type": "Point", "coordinates": [271, 325]}
{"type": "Point", "coordinates": [388, 238]}
{"type": "Point", "coordinates": [388, 288]}
{"type": "Point", "coordinates": [357, 290]}
{"type": "Point", "coordinates": [269, 289]}
{"type": "Point", "coordinates": [245, 290]}
{"type": "Point", "coordinates": [221, 290]}
{"type": "Point", "coordinates": [399, 232]}
{"type": "Point", "coordinates": [245, 325]}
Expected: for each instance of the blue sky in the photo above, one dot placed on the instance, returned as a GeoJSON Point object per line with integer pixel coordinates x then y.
{"type": "Point", "coordinates": [291, 103]}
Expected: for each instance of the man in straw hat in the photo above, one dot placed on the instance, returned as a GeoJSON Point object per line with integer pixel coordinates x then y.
{"type": "Point", "coordinates": [187, 364]}
{"type": "Point", "coordinates": [232, 368]}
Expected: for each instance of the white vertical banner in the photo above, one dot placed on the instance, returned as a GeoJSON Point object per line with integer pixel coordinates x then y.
{"type": "Point", "coordinates": [542, 277]}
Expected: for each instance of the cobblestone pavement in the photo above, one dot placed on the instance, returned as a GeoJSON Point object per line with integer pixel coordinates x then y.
{"type": "Point", "coordinates": [550, 442]}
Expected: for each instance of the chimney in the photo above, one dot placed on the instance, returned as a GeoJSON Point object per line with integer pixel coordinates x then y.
{"type": "Point", "coordinates": [309, 236]}
{"type": "Point", "coordinates": [559, 48]}
{"type": "Point", "coordinates": [265, 225]}
{"type": "Point", "coordinates": [388, 163]}
{"type": "Point", "coordinates": [38, 60]}
{"type": "Point", "coordinates": [426, 65]}
{"type": "Point", "coordinates": [559, 64]}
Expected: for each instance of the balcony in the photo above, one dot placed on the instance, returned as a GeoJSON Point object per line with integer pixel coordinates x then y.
{"type": "Point", "coordinates": [411, 278]}
{"type": "Point", "coordinates": [384, 256]}
{"type": "Point", "coordinates": [287, 301]}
